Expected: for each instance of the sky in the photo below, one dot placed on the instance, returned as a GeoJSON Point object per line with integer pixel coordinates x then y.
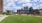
{"type": "Point", "coordinates": [18, 4]}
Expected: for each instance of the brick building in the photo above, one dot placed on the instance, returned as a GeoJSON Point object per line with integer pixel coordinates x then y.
{"type": "Point", "coordinates": [1, 5]}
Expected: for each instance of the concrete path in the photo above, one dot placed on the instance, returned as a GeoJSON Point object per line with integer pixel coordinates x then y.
{"type": "Point", "coordinates": [2, 17]}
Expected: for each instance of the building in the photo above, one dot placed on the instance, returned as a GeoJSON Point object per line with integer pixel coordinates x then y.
{"type": "Point", "coordinates": [1, 5]}
{"type": "Point", "coordinates": [40, 11]}
{"type": "Point", "coordinates": [26, 8]}
{"type": "Point", "coordinates": [23, 11]}
{"type": "Point", "coordinates": [30, 11]}
{"type": "Point", "coordinates": [20, 11]}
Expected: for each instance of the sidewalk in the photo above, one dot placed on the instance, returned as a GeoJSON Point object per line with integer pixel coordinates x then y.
{"type": "Point", "coordinates": [2, 17]}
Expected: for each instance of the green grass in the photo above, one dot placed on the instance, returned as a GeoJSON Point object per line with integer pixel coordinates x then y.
{"type": "Point", "coordinates": [22, 19]}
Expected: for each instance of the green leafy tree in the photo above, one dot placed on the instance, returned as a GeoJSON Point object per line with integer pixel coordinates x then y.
{"type": "Point", "coordinates": [8, 12]}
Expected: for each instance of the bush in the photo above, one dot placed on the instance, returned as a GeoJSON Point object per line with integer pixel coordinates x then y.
{"type": "Point", "coordinates": [6, 13]}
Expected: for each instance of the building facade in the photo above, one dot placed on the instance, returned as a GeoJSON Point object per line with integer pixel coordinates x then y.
{"type": "Point", "coordinates": [1, 5]}
{"type": "Point", "coordinates": [26, 8]}
{"type": "Point", "coordinates": [40, 11]}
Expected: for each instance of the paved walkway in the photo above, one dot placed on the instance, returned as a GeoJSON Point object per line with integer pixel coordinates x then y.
{"type": "Point", "coordinates": [2, 17]}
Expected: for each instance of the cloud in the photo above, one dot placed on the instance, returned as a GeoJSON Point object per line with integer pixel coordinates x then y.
{"type": "Point", "coordinates": [14, 3]}
{"type": "Point", "coordinates": [34, 1]}
{"type": "Point", "coordinates": [27, 4]}
{"type": "Point", "coordinates": [7, 4]}
{"type": "Point", "coordinates": [17, 7]}
{"type": "Point", "coordinates": [25, 1]}
{"type": "Point", "coordinates": [40, 0]}
{"type": "Point", "coordinates": [38, 7]}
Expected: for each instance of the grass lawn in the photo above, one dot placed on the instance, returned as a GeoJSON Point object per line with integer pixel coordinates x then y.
{"type": "Point", "coordinates": [22, 19]}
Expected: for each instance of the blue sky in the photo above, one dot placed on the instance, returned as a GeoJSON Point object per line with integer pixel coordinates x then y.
{"type": "Point", "coordinates": [18, 4]}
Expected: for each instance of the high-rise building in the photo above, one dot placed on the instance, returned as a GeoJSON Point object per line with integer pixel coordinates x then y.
{"type": "Point", "coordinates": [26, 8]}
{"type": "Point", "coordinates": [1, 5]}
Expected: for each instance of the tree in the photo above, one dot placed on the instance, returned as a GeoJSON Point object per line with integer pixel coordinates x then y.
{"type": "Point", "coordinates": [37, 11]}
{"type": "Point", "coordinates": [8, 12]}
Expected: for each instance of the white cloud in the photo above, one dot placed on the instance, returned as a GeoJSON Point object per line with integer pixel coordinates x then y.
{"type": "Point", "coordinates": [7, 4]}
{"type": "Point", "coordinates": [24, 1]}
{"type": "Point", "coordinates": [12, 2]}
{"type": "Point", "coordinates": [34, 0]}
{"type": "Point", "coordinates": [15, 0]}
{"type": "Point", "coordinates": [38, 7]}
{"type": "Point", "coordinates": [17, 7]}
{"type": "Point", "coordinates": [27, 4]}
{"type": "Point", "coordinates": [37, 0]}
{"type": "Point", "coordinates": [19, 2]}
{"type": "Point", "coordinates": [40, 0]}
